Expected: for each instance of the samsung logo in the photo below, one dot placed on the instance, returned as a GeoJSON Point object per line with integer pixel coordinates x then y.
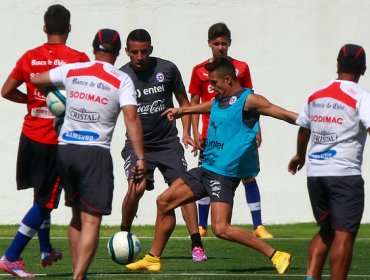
{"type": "Point", "coordinates": [80, 135]}
{"type": "Point", "coordinates": [323, 155]}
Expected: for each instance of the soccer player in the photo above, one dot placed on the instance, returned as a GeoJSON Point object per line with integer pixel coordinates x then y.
{"type": "Point", "coordinates": [219, 40]}
{"type": "Point", "coordinates": [230, 155]}
{"type": "Point", "coordinates": [36, 162]}
{"type": "Point", "coordinates": [336, 118]}
{"type": "Point", "coordinates": [156, 81]}
{"type": "Point", "coordinates": [96, 93]}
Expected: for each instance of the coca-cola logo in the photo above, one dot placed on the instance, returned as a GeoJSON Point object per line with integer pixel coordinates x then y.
{"type": "Point", "coordinates": [155, 107]}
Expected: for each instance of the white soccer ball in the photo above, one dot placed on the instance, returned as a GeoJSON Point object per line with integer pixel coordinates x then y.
{"type": "Point", "coordinates": [56, 102]}
{"type": "Point", "coordinates": [124, 247]}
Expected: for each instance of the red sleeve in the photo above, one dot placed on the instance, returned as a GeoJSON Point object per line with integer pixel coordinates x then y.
{"type": "Point", "coordinates": [247, 79]}
{"type": "Point", "coordinates": [17, 72]}
{"type": "Point", "coordinates": [195, 87]}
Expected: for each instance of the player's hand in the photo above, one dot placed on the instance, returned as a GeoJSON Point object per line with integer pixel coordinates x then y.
{"type": "Point", "coordinates": [187, 140]}
{"type": "Point", "coordinates": [199, 141]}
{"type": "Point", "coordinates": [295, 164]}
{"type": "Point", "coordinates": [172, 114]}
{"type": "Point", "coordinates": [139, 171]}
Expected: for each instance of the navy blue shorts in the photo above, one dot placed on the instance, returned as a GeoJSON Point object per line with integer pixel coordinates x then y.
{"type": "Point", "coordinates": [87, 177]}
{"type": "Point", "coordinates": [207, 183]}
{"type": "Point", "coordinates": [168, 158]}
{"type": "Point", "coordinates": [37, 169]}
{"type": "Point", "coordinates": [337, 201]}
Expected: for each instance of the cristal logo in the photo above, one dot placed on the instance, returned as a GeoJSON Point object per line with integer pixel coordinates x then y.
{"type": "Point", "coordinates": [324, 137]}
{"type": "Point", "coordinates": [160, 77]}
{"type": "Point", "coordinates": [323, 155]}
{"type": "Point", "coordinates": [81, 115]}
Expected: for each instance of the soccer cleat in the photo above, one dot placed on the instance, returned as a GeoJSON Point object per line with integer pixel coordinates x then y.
{"type": "Point", "coordinates": [147, 263]}
{"type": "Point", "coordinates": [48, 258]}
{"type": "Point", "coordinates": [202, 231]}
{"type": "Point", "coordinates": [261, 232]}
{"type": "Point", "coordinates": [281, 261]}
{"type": "Point", "coordinates": [15, 268]}
{"type": "Point", "coordinates": [199, 255]}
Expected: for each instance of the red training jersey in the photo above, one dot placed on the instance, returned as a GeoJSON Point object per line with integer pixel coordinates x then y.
{"type": "Point", "coordinates": [199, 84]}
{"type": "Point", "coordinates": [38, 123]}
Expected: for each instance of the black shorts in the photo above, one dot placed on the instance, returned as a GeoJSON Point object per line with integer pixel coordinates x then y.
{"type": "Point", "coordinates": [337, 201]}
{"type": "Point", "coordinates": [169, 158]}
{"type": "Point", "coordinates": [87, 177]}
{"type": "Point", "coordinates": [37, 169]}
{"type": "Point", "coordinates": [207, 183]}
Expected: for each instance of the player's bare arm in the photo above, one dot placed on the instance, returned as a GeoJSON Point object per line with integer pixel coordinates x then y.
{"type": "Point", "coordinates": [260, 104]}
{"type": "Point", "coordinates": [298, 161]}
{"type": "Point", "coordinates": [183, 101]}
{"type": "Point", "coordinates": [195, 100]}
{"type": "Point", "coordinates": [11, 92]}
{"type": "Point", "coordinates": [42, 82]}
{"type": "Point", "coordinates": [135, 134]}
{"type": "Point", "coordinates": [175, 113]}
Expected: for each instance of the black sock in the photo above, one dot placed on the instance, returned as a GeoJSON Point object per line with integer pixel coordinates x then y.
{"type": "Point", "coordinates": [123, 228]}
{"type": "Point", "coordinates": [196, 241]}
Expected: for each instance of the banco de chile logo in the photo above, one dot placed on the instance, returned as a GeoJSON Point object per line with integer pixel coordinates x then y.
{"type": "Point", "coordinates": [160, 77]}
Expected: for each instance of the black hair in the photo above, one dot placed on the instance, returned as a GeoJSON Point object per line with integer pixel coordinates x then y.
{"type": "Point", "coordinates": [140, 35]}
{"type": "Point", "coordinates": [223, 66]}
{"type": "Point", "coordinates": [352, 59]}
{"type": "Point", "coordinates": [219, 30]}
{"type": "Point", "coordinates": [57, 19]}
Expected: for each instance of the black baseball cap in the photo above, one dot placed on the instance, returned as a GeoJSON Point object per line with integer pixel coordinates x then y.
{"type": "Point", "coordinates": [107, 40]}
{"type": "Point", "coordinates": [352, 58]}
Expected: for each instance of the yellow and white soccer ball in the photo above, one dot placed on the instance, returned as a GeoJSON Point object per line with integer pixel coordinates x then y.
{"type": "Point", "coordinates": [56, 102]}
{"type": "Point", "coordinates": [124, 247]}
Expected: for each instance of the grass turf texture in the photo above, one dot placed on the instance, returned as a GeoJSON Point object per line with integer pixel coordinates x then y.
{"type": "Point", "coordinates": [225, 259]}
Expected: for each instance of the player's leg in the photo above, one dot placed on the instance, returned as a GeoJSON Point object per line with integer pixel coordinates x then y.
{"type": "Point", "coordinates": [172, 164]}
{"type": "Point", "coordinates": [130, 203]}
{"type": "Point", "coordinates": [203, 205]}
{"type": "Point", "coordinates": [87, 243]}
{"type": "Point", "coordinates": [179, 193]}
{"type": "Point", "coordinates": [341, 254]}
{"type": "Point", "coordinates": [253, 198]}
{"type": "Point", "coordinates": [203, 212]}
{"type": "Point", "coordinates": [347, 206]}
{"type": "Point", "coordinates": [74, 234]}
{"type": "Point", "coordinates": [318, 251]}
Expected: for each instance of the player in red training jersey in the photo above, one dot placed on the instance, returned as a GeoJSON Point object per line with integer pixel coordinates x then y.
{"type": "Point", "coordinates": [36, 165]}
{"type": "Point", "coordinates": [219, 40]}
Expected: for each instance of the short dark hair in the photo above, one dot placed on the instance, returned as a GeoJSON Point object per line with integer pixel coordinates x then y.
{"type": "Point", "coordinates": [57, 19]}
{"type": "Point", "coordinates": [139, 35]}
{"type": "Point", "coordinates": [352, 59]}
{"type": "Point", "coordinates": [219, 30]}
{"type": "Point", "coordinates": [223, 66]}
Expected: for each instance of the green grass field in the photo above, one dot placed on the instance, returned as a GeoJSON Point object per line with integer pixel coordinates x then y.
{"type": "Point", "coordinates": [226, 260]}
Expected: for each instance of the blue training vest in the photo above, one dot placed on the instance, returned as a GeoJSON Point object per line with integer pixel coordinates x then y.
{"type": "Point", "coordinates": [231, 148]}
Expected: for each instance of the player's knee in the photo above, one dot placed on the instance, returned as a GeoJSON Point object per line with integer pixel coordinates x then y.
{"type": "Point", "coordinates": [220, 231]}
{"type": "Point", "coordinates": [162, 203]}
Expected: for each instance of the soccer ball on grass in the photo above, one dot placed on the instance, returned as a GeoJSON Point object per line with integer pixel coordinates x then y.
{"type": "Point", "coordinates": [124, 247]}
